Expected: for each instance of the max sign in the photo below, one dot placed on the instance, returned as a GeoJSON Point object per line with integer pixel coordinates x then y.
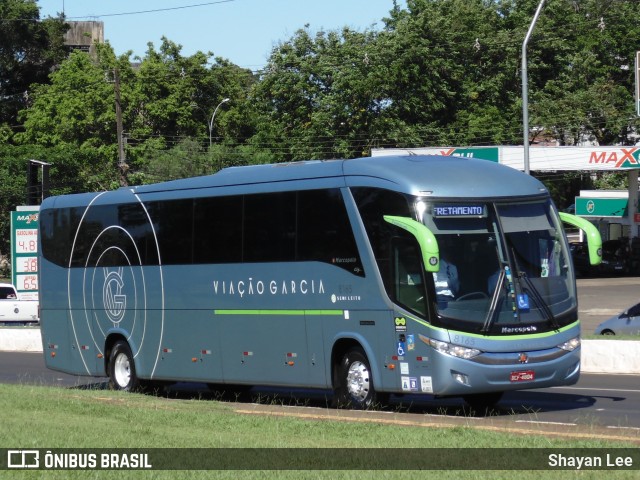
{"type": "Point", "coordinates": [622, 158]}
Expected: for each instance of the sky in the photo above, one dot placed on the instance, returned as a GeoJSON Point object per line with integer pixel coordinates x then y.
{"type": "Point", "coordinates": [243, 31]}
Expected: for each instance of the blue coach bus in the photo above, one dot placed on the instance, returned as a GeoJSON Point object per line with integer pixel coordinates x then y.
{"type": "Point", "coordinates": [410, 275]}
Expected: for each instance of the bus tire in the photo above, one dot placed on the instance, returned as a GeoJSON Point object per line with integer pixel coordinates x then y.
{"type": "Point", "coordinates": [354, 387]}
{"type": "Point", "coordinates": [122, 369]}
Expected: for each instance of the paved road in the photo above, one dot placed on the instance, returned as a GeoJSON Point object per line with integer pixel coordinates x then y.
{"type": "Point", "coordinates": [600, 298]}
{"type": "Point", "coordinates": [606, 406]}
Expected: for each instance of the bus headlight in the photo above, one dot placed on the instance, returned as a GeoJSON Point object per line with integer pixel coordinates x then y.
{"type": "Point", "coordinates": [570, 345]}
{"type": "Point", "coordinates": [454, 350]}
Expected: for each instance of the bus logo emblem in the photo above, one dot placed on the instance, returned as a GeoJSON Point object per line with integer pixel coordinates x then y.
{"type": "Point", "coordinates": [115, 302]}
{"type": "Point", "coordinates": [401, 324]}
{"type": "Point", "coordinates": [523, 358]}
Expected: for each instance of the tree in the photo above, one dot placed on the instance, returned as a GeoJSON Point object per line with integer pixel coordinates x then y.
{"type": "Point", "coordinates": [186, 159]}
{"type": "Point", "coordinates": [323, 96]}
{"type": "Point", "coordinates": [29, 50]}
{"type": "Point", "coordinates": [77, 110]}
{"type": "Point", "coordinates": [166, 99]}
{"type": "Point", "coordinates": [170, 99]}
{"type": "Point", "coordinates": [68, 174]}
{"type": "Point", "coordinates": [165, 91]}
{"type": "Point", "coordinates": [77, 107]}
{"type": "Point", "coordinates": [441, 72]}
{"type": "Point", "coordinates": [583, 87]}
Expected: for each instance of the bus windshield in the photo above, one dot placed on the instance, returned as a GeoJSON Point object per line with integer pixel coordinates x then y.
{"type": "Point", "coordinates": [504, 268]}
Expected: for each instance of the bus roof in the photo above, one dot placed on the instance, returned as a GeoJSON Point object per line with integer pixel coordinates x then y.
{"type": "Point", "coordinates": [441, 176]}
{"type": "Point", "coordinates": [420, 175]}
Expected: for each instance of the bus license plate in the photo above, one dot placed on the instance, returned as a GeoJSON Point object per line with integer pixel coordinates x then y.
{"type": "Point", "coordinates": [523, 376]}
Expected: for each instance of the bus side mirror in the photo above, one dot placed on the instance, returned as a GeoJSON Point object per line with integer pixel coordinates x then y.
{"type": "Point", "coordinates": [426, 239]}
{"type": "Point", "coordinates": [594, 241]}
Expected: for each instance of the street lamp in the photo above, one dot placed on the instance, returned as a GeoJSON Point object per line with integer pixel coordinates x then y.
{"type": "Point", "coordinates": [224, 100]}
{"type": "Point", "coordinates": [525, 88]}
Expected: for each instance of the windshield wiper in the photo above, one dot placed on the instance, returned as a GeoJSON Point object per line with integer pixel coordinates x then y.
{"type": "Point", "coordinates": [533, 291]}
{"type": "Point", "coordinates": [539, 300]}
{"type": "Point", "coordinates": [495, 302]}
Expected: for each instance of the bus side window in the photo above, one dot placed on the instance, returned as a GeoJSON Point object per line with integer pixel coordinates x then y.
{"type": "Point", "coordinates": [324, 232]}
{"type": "Point", "coordinates": [217, 234]}
{"type": "Point", "coordinates": [269, 227]}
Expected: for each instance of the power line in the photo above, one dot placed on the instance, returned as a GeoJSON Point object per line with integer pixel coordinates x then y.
{"type": "Point", "coordinates": [183, 7]}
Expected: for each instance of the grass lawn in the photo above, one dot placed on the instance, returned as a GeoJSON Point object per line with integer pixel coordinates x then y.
{"type": "Point", "coordinates": [57, 418]}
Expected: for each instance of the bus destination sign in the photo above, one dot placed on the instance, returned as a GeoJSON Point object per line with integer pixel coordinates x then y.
{"type": "Point", "coordinates": [458, 210]}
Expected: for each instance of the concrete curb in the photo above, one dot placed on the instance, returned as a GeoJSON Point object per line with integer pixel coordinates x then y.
{"type": "Point", "coordinates": [21, 339]}
{"type": "Point", "coordinates": [598, 356]}
{"type": "Point", "coordinates": [610, 356]}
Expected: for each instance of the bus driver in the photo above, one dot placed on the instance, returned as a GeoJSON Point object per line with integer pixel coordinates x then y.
{"type": "Point", "coordinates": [446, 281]}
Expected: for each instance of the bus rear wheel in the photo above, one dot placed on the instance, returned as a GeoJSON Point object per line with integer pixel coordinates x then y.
{"type": "Point", "coordinates": [122, 370]}
{"type": "Point", "coordinates": [354, 387]}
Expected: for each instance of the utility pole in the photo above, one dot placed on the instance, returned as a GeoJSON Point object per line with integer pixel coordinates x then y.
{"type": "Point", "coordinates": [122, 164]}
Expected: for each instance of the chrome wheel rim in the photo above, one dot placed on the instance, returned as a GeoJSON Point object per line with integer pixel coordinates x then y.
{"type": "Point", "coordinates": [358, 382]}
{"type": "Point", "coordinates": [122, 370]}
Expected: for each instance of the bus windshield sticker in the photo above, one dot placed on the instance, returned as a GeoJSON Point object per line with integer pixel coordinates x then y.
{"type": "Point", "coordinates": [523, 301]}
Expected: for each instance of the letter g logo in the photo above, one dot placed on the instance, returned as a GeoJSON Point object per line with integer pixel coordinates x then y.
{"type": "Point", "coordinates": [115, 302]}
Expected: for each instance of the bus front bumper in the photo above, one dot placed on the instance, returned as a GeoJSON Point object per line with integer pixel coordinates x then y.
{"type": "Point", "coordinates": [495, 372]}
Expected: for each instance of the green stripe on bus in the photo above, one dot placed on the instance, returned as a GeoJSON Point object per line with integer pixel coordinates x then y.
{"type": "Point", "coordinates": [278, 312]}
{"type": "Point", "coordinates": [497, 337]}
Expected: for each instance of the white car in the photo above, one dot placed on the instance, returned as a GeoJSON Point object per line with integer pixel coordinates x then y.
{"type": "Point", "coordinates": [625, 323]}
{"type": "Point", "coordinates": [14, 309]}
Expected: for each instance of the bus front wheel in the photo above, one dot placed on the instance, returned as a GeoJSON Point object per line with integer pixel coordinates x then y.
{"type": "Point", "coordinates": [122, 370]}
{"type": "Point", "coordinates": [355, 382]}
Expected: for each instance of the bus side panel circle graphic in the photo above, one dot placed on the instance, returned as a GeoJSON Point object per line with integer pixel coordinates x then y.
{"type": "Point", "coordinates": [112, 287]}
{"type": "Point", "coordinates": [114, 290]}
